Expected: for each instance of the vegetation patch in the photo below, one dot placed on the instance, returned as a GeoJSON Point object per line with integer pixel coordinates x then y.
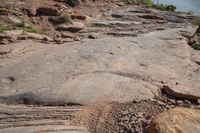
{"type": "Point", "coordinates": [198, 21]}
{"type": "Point", "coordinates": [18, 26]}
{"type": "Point", "coordinates": [163, 7]}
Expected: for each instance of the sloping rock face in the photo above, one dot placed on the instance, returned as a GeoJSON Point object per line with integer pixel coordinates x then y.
{"type": "Point", "coordinates": [104, 70]}
{"type": "Point", "coordinates": [178, 120]}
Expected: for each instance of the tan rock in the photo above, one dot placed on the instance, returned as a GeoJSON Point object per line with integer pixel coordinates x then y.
{"type": "Point", "coordinates": [38, 36]}
{"type": "Point", "coordinates": [178, 120]}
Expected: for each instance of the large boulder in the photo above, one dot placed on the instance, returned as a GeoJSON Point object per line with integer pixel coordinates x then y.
{"type": "Point", "coordinates": [178, 120]}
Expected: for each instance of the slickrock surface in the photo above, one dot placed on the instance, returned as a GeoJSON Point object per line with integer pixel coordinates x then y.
{"type": "Point", "coordinates": [133, 54]}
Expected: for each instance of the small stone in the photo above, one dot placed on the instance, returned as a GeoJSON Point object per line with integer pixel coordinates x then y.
{"type": "Point", "coordinates": [76, 38]}
{"type": "Point", "coordinates": [161, 103]}
{"type": "Point", "coordinates": [124, 112]}
{"type": "Point", "coordinates": [142, 120]}
{"type": "Point", "coordinates": [187, 102]}
{"type": "Point", "coordinates": [179, 102]}
{"type": "Point", "coordinates": [126, 118]}
{"type": "Point", "coordinates": [67, 35]}
{"type": "Point", "coordinates": [121, 131]}
{"type": "Point", "coordinates": [149, 117]}
{"type": "Point", "coordinates": [121, 124]}
{"type": "Point", "coordinates": [92, 37]}
{"type": "Point", "coordinates": [139, 115]}
{"type": "Point", "coordinates": [198, 101]}
{"type": "Point", "coordinates": [172, 101]}
{"type": "Point", "coordinates": [67, 40]}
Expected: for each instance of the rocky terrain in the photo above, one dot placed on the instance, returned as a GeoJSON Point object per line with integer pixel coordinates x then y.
{"type": "Point", "coordinates": [98, 67]}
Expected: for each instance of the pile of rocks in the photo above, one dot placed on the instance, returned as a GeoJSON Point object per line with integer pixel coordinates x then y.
{"type": "Point", "coordinates": [136, 117]}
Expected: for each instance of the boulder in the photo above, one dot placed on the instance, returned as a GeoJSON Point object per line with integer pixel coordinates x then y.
{"type": "Point", "coordinates": [37, 36]}
{"type": "Point", "coordinates": [30, 11]}
{"type": "Point", "coordinates": [47, 11]}
{"type": "Point", "coordinates": [58, 20]}
{"type": "Point", "coordinates": [74, 27]}
{"type": "Point", "coordinates": [10, 36]}
{"type": "Point", "coordinates": [178, 120]}
{"type": "Point", "coordinates": [182, 92]}
{"type": "Point", "coordinates": [78, 16]}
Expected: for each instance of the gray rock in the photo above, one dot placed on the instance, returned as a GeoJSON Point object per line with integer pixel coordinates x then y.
{"type": "Point", "coordinates": [179, 102]}
{"type": "Point", "coordinates": [86, 72]}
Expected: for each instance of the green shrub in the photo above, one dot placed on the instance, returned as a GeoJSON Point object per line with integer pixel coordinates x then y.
{"type": "Point", "coordinates": [147, 2]}
{"type": "Point", "coordinates": [17, 26]}
{"type": "Point", "coordinates": [66, 17]}
{"type": "Point", "coordinates": [198, 21]}
{"type": "Point", "coordinates": [163, 7]}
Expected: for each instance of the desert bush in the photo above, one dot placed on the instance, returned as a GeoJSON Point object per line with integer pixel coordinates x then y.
{"type": "Point", "coordinates": [147, 2]}
{"type": "Point", "coordinates": [198, 21]}
{"type": "Point", "coordinates": [18, 26]}
{"type": "Point", "coordinates": [163, 7]}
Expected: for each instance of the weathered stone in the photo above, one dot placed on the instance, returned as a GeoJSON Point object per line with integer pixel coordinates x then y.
{"type": "Point", "coordinates": [75, 27]}
{"type": "Point", "coordinates": [57, 20]}
{"type": "Point", "coordinates": [11, 36]}
{"type": "Point", "coordinates": [178, 120]}
{"type": "Point", "coordinates": [125, 118]}
{"type": "Point", "coordinates": [37, 36]}
{"type": "Point", "coordinates": [31, 11]}
{"type": "Point", "coordinates": [78, 16]}
{"type": "Point", "coordinates": [67, 35]}
{"type": "Point", "coordinates": [182, 92]}
{"type": "Point", "coordinates": [47, 11]}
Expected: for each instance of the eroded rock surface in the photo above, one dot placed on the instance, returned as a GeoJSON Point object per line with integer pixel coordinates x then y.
{"type": "Point", "coordinates": [104, 70]}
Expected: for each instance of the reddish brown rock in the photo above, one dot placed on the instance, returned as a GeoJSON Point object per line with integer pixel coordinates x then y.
{"type": "Point", "coordinates": [182, 92]}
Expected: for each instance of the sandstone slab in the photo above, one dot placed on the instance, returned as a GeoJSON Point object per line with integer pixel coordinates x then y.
{"type": "Point", "coordinates": [183, 92]}
{"type": "Point", "coordinates": [102, 70]}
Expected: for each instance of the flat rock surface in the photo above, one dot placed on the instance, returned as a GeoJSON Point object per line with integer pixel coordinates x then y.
{"type": "Point", "coordinates": [105, 70]}
{"type": "Point", "coordinates": [131, 55]}
{"type": "Point", "coordinates": [178, 120]}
